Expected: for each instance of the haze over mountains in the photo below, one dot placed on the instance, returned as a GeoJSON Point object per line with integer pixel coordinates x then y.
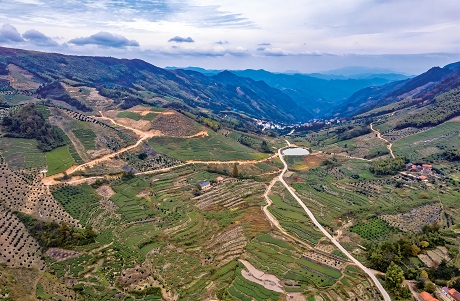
{"type": "Point", "coordinates": [318, 94]}
{"type": "Point", "coordinates": [285, 98]}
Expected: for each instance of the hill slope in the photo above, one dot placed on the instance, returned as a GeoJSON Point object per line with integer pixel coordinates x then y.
{"type": "Point", "coordinates": [130, 82]}
{"type": "Point", "coordinates": [421, 88]}
{"type": "Point", "coordinates": [318, 94]}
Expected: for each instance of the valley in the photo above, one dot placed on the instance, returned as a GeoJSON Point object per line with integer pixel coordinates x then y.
{"type": "Point", "coordinates": [139, 195]}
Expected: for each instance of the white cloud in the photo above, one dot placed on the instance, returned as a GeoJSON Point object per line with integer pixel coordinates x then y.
{"type": "Point", "coordinates": [283, 30]}
{"type": "Point", "coordinates": [105, 39]}
{"type": "Point", "coordinates": [9, 33]}
{"type": "Point", "coordinates": [38, 38]}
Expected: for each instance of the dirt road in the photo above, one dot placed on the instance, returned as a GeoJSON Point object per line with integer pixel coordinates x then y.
{"type": "Point", "coordinates": [389, 146]}
{"type": "Point", "coordinates": [143, 136]}
{"type": "Point", "coordinates": [371, 275]}
{"type": "Point", "coordinates": [273, 219]}
{"type": "Point", "coordinates": [231, 162]}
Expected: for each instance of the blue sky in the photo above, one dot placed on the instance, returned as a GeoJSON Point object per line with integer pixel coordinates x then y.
{"type": "Point", "coordinates": [277, 35]}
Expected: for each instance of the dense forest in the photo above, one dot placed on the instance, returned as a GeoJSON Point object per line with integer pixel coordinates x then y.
{"type": "Point", "coordinates": [388, 166]}
{"type": "Point", "coordinates": [51, 234]}
{"type": "Point", "coordinates": [28, 122]}
{"type": "Point", "coordinates": [444, 107]}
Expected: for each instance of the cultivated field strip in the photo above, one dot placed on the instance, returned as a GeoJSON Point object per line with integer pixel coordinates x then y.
{"type": "Point", "coordinates": [227, 245]}
{"type": "Point", "coordinates": [229, 195]}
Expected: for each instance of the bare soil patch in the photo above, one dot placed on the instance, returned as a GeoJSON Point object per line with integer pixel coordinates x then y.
{"type": "Point", "coordinates": [22, 79]}
{"type": "Point", "coordinates": [59, 254]}
{"type": "Point", "coordinates": [269, 281]}
{"type": "Point", "coordinates": [256, 220]}
{"type": "Point", "coordinates": [313, 160]}
{"type": "Point", "coordinates": [173, 124]}
{"type": "Point", "coordinates": [105, 191]}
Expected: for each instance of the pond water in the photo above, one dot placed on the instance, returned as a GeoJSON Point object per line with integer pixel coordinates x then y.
{"type": "Point", "coordinates": [298, 151]}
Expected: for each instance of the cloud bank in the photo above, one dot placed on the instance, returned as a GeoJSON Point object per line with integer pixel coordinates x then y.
{"type": "Point", "coordinates": [38, 38]}
{"type": "Point", "coordinates": [178, 39]}
{"type": "Point", "coordinates": [105, 39]}
{"type": "Point", "coordinates": [9, 33]}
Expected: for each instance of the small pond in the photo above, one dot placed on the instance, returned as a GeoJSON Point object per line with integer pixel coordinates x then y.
{"type": "Point", "coordinates": [298, 151]}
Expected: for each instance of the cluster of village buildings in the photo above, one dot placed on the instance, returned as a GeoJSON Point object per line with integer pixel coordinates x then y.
{"type": "Point", "coordinates": [449, 294]}
{"type": "Point", "coordinates": [444, 294]}
{"type": "Point", "coordinates": [271, 125]}
{"type": "Point", "coordinates": [421, 172]}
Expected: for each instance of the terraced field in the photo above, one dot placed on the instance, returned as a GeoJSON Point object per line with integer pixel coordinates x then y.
{"type": "Point", "coordinates": [159, 236]}
{"type": "Point", "coordinates": [426, 143]}
{"type": "Point", "coordinates": [21, 153]}
{"type": "Point", "coordinates": [213, 147]}
{"type": "Point", "coordinates": [228, 195]}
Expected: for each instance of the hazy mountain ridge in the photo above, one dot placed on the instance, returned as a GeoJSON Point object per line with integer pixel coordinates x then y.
{"type": "Point", "coordinates": [317, 93]}
{"type": "Point", "coordinates": [285, 98]}
{"type": "Point", "coordinates": [424, 87]}
{"type": "Point", "coordinates": [125, 80]}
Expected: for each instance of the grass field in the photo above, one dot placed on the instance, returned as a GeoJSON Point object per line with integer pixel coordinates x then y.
{"type": "Point", "coordinates": [130, 115]}
{"type": "Point", "coordinates": [214, 147]}
{"type": "Point", "coordinates": [86, 137]}
{"type": "Point", "coordinates": [73, 152]}
{"type": "Point", "coordinates": [21, 153]}
{"type": "Point", "coordinates": [149, 116]}
{"type": "Point", "coordinates": [58, 160]}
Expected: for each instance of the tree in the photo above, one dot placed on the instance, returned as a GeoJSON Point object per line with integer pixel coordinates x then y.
{"type": "Point", "coordinates": [405, 292]}
{"type": "Point", "coordinates": [423, 274]}
{"type": "Point", "coordinates": [387, 166]}
{"type": "Point", "coordinates": [414, 250]}
{"type": "Point", "coordinates": [264, 147]}
{"type": "Point", "coordinates": [28, 122]}
{"type": "Point", "coordinates": [429, 287]}
{"type": "Point", "coordinates": [456, 284]}
{"type": "Point", "coordinates": [235, 171]}
{"type": "Point", "coordinates": [394, 276]}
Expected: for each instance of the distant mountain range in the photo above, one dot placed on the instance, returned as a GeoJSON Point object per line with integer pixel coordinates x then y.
{"type": "Point", "coordinates": [318, 94]}
{"type": "Point", "coordinates": [423, 87]}
{"type": "Point", "coordinates": [285, 98]}
{"type": "Point", "coordinates": [131, 82]}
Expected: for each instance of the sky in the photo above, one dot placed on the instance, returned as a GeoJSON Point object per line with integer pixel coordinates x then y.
{"type": "Point", "coordinates": [407, 36]}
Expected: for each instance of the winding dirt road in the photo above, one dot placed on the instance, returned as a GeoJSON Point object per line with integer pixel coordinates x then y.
{"type": "Point", "coordinates": [273, 219]}
{"type": "Point", "coordinates": [231, 162]}
{"type": "Point", "coordinates": [389, 146]}
{"type": "Point", "coordinates": [144, 136]}
{"type": "Point", "coordinates": [369, 273]}
{"type": "Point", "coordinates": [50, 180]}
